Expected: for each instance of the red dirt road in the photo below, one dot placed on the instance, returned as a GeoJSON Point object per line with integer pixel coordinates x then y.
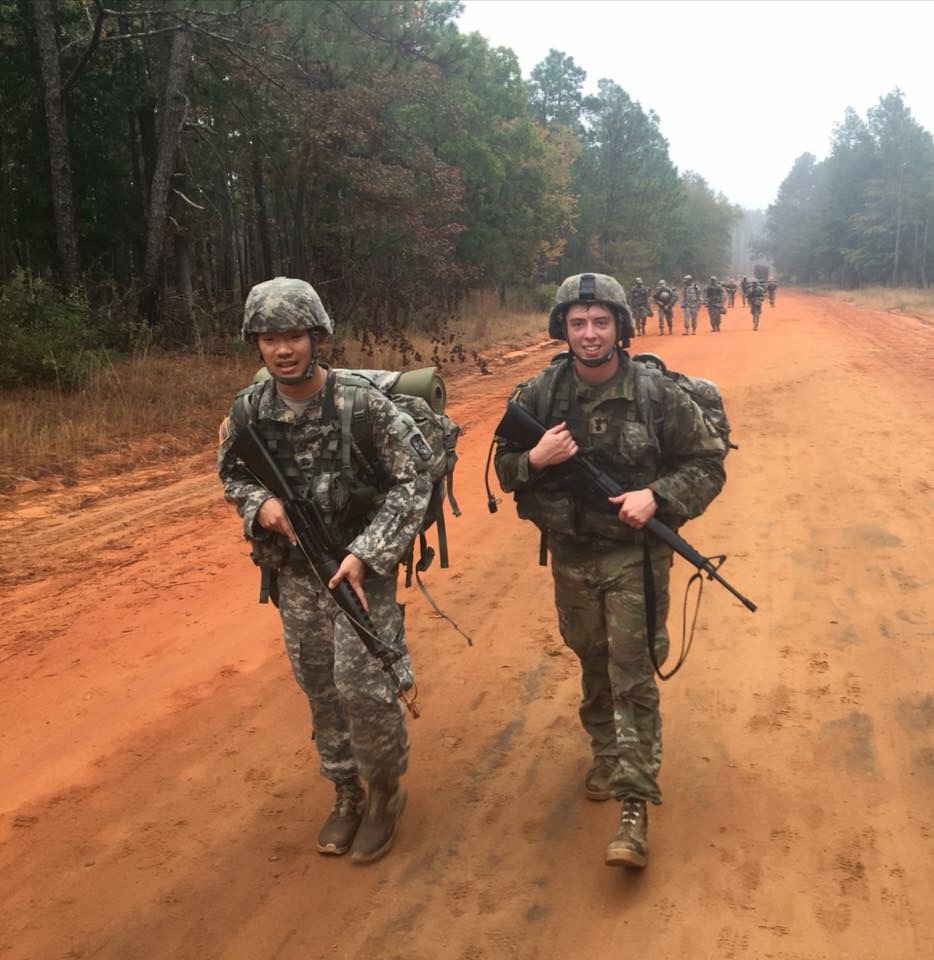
{"type": "Point", "coordinates": [160, 795]}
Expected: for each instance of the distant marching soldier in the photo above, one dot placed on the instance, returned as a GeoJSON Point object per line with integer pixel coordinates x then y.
{"type": "Point", "coordinates": [771, 287]}
{"type": "Point", "coordinates": [730, 287]}
{"type": "Point", "coordinates": [639, 302]}
{"type": "Point", "coordinates": [755, 294]}
{"type": "Point", "coordinates": [691, 298]}
{"type": "Point", "coordinates": [665, 297]}
{"type": "Point", "coordinates": [714, 297]}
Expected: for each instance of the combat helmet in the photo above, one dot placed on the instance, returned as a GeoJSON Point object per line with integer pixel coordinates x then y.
{"type": "Point", "coordinates": [282, 305]}
{"type": "Point", "coordinates": [591, 288]}
{"type": "Point", "coordinates": [652, 360]}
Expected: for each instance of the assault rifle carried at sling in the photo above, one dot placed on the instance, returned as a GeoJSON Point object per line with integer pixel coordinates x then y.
{"type": "Point", "coordinates": [316, 543]}
{"type": "Point", "coordinates": [581, 475]}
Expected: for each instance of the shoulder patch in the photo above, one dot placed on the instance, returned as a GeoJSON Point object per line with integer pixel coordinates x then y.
{"type": "Point", "coordinates": [223, 431]}
{"type": "Point", "coordinates": [420, 446]}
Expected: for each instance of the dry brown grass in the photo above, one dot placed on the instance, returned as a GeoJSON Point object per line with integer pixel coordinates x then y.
{"type": "Point", "coordinates": [901, 299]}
{"type": "Point", "coordinates": [176, 401]}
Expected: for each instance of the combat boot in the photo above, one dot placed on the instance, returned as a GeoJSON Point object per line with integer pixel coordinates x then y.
{"type": "Point", "coordinates": [597, 781]}
{"type": "Point", "coordinates": [384, 806]}
{"type": "Point", "coordinates": [630, 846]}
{"type": "Point", "coordinates": [340, 828]}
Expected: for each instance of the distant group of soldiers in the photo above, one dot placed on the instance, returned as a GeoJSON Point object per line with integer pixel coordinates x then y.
{"type": "Point", "coordinates": [716, 296]}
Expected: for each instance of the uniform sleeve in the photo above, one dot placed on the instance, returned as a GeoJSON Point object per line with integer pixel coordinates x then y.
{"type": "Point", "coordinates": [240, 488]}
{"type": "Point", "coordinates": [511, 464]}
{"type": "Point", "coordinates": [693, 457]}
{"type": "Point", "coordinates": [386, 538]}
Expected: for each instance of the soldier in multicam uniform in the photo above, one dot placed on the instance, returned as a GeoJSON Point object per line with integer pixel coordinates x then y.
{"type": "Point", "coordinates": [639, 301]}
{"type": "Point", "coordinates": [597, 398]}
{"type": "Point", "coordinates": [359, 723]}
{"type": "Point", "coordinates": [665, 297]}
{"type": "Point", "coordinates": [691, 298]}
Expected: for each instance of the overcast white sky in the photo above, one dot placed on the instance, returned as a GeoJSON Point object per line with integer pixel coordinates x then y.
{"type": "Point", "coordinates": [741, 88]}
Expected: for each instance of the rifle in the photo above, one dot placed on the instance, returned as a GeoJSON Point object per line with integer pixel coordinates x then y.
{"type": "Point", "coordinates": [318, 546]}
{"type": "Point", "coordinates": [520, 428]}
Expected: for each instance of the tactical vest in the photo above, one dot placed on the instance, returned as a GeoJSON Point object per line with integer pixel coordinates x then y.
{"type": "Point", "coordinates": [345, 480]}
{"type": "Point", "coordinates": [624, 441]}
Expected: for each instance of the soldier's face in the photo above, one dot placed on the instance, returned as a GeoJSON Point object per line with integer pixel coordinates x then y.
{"type": "Point", "coordinates": [285, 354]}
{"type": "Point", "coordinates": [591, 329]}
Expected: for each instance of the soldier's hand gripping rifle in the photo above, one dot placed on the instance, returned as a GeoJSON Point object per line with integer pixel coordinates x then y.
{"type": "Point", "coordinates": [521, 429]}
{"type": "Point", "coordinates": [316, 543]}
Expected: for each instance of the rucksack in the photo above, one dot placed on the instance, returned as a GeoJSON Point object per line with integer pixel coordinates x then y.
{"type": "Point", "coordinates": [705, 393]}
{"type": "Point", "coordinates": [425, 405]}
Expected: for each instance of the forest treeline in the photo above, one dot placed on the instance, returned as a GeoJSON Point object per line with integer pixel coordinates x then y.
{"type": "Point", "coordinates": [159, 157]}
{"type": "Point", "coordinates": [862, 216]}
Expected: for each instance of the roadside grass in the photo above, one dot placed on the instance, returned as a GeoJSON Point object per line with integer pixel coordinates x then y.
{"type": "Point", "coordinates": [900, 299]}
{"type": "Point", "coordinates": [175, 401]}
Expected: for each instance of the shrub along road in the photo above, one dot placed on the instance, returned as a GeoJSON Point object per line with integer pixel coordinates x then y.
{"type": "Point", "coordinates": [160, 795]}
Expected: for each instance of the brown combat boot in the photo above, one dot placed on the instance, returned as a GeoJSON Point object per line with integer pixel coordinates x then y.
{"type": "Point", "coordinates": [630, 846]}
{"type": "Point", "coordinates": [384, 806]}
{"type": "Point", "coordinates": [597, 781]}
{"type": "Point", "coordinates": [337, 833]}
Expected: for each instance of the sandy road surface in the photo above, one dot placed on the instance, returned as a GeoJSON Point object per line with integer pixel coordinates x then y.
{"type": "Point", "coordinates": [159, 795]}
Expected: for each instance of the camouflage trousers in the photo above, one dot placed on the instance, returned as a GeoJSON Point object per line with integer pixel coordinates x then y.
{"type": "Point", "coordinates": [666, 315]}
{"type": "Point", "coordinates": [690, 316]}
{"type": "Point", "coordinates": [358, 721]}
{"type": "Point", "coordinates": [601, 613]}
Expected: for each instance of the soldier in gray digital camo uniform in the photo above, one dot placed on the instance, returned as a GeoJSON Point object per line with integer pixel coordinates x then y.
{"type": "Point", "coordinates": [358, 721]}
{"type": "Point", "coordinates": [601, 400]}
{"type": "Point", "coordinates": [691, 298]}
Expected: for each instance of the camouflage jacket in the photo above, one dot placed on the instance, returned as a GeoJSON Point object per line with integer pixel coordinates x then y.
{"type": "Point", "coordinates": [690, 294]}
{"type": "Point", "coordinates": [672, 296]}
{"type": "Point", "coordinates": [379, 541]}
{"type": "Point", "coordinates": [714, 294]}
{"type": "Point", "coordinates": [678, 455]}
{"type": "Point", "coordinates": [639, 295]}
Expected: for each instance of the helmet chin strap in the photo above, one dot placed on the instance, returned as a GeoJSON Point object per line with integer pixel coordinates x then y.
{"type": "Point", "coordinates": [593, 361]}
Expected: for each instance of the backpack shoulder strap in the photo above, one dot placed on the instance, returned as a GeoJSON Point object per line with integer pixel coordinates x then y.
{"type": "Point", "coordinates": [649, 402]}
{"type": "Point", "coordinates": [246, 406]}
{"type": "Point", "coordinates": [554, 376]}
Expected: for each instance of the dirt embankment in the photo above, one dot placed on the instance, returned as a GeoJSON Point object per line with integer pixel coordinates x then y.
{"type": "Point", "coordinates": [160, 794]}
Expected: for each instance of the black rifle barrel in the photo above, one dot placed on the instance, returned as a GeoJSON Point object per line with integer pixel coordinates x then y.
{"type": "Point", "coordinates": [315, 541]}
{"type": "Point", "coordinates": [520, 428]}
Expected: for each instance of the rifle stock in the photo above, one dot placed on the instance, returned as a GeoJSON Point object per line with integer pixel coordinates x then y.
{"type": "Point", "coordinates": [521, 429]}
{"type": "Point", "coordinates": [318, 546]}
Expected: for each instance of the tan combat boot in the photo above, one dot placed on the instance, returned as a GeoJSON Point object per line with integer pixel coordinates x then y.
{"type": "Point", "coordinates": [337, 833]}
{"type": "Point", "coordinates": [630, 846]}
{"type": "Point", "coordinates": [384, 806]}
{"type": "Point", "coordinates": [597, 781]}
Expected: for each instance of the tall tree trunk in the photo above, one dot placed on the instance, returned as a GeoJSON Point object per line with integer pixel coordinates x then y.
{"type": "Point", "coordinates": [924, 253]}
{"type": "Point", "coordinates": [225, 256]}
{"type": "Point", "coordinates": [173, 116]}
{"type": "Point", "coordinates": [262, 219]}
{"type": "Point", "coordinates": [898, 235]}
{"type": "Point", "coordinates": [66, 233]}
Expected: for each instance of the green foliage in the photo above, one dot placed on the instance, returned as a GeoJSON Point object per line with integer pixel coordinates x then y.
{"type": "Point", "coordinates": [367, 145]}
{"type": "Point", "coordinates": [863, 215]}
{"type": "Point", "coordinates": [47, 339]}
